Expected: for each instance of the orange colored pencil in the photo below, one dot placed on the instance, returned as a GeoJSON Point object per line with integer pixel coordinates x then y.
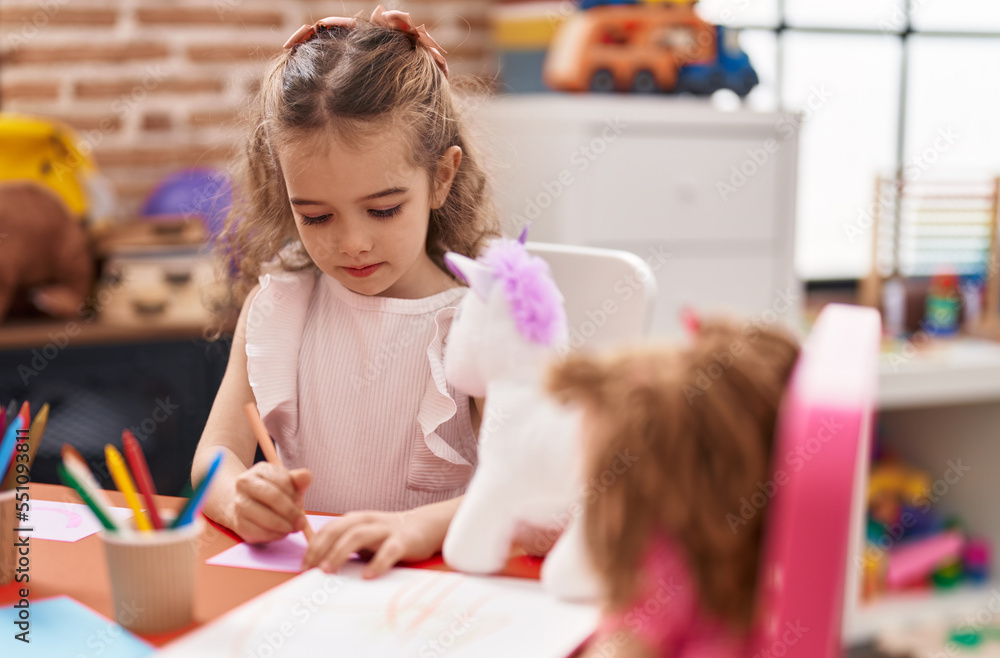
{"type": "Point", "coordinates": [267, 447]}
{"type": "Point", "coordinates": [25, 415]}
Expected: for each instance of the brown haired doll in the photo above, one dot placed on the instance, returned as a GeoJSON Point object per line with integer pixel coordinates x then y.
{"type": "Point", "coordinates": [674, 438]}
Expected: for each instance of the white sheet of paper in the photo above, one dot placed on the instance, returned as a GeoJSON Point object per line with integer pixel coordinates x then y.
{"type": "Point", "coordinates": [282, 555]}
{"type": "Point", "coordinates": [407, 612]}
{"type": "Point", "coordinates": [58, 521]}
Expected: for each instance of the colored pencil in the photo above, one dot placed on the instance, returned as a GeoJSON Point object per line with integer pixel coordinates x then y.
{"type": "Point", "coordinates": [197, 499]}
{"type": "Point", "coordinates": [270, 454]}
{"type": "Point", "coordinates": [35, 434]}
{"type": "Point", "coordinates": [70, 479]}
{"type": "Point", "coordinates": [77, 465]}
{"type": "Point", "coordinates": [73, 459]}
{"type": "Point", "coordinates": [78, 468]}
{"type": "Point", "coordinates": [25, 414]}
{"type": "Point", "coordinates": [8, 445]}
{"type": "Point", "coordinates": [120, 474]}
{"type": "Point", "coordinates": [3, 419]}
{"type": "Point", "coordinates": [143, 478]}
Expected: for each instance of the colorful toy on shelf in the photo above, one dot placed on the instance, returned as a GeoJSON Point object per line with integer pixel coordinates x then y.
{"type": "Point", "coordinates": [908, 542]}
{"type": "Point", "coordinates": [970, 637]}
{"type": "Point", "coordinates": [44, 151]}
{"type": "Point", "coordinates": [893, 486]}
{"type": "Point", "coordinates": [972, 298]}
{"type": "Point", "coordinates": [47, 264]}
{"type": "Point", "coordinates": [198, 192]}
{"type": "Point", "coordinates": [948, 576]}
{"type": "Point", "coordinates": [977, 638]}
{"type": "Point", "coordinates": [646, 48]}
{"type": "Point", "coordinates": [873, 573]}
{"type": "Point", "coordinates": [944, 305]}
{"type": "Point", "coordinates": [976, 560]}
{"type": "Point", "coordinates": [914, 560]}
{"type": "Point", "coordinates": [943, 228]}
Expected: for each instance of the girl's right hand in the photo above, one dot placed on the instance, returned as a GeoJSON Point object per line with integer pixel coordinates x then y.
{"type": "Point", "coordinates": [269, 501]}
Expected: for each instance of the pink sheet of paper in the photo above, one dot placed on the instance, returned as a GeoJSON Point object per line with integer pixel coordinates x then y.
{"type": "Point", "coordinates": [283, 555]}
{"type": "Point", "coordinates": [68, 522]}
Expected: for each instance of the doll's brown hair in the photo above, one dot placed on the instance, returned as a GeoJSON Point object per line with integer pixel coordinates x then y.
{"type": "Point", "coordinates": [698, 422]}
{"type": "Point", "coordinates": [350, 83]}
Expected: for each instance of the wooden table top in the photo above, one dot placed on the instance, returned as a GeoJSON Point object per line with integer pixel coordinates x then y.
{"type": "Point", "coordinates": [79, 569]}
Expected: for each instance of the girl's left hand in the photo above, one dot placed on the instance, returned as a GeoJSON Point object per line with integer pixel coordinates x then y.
{"type": "Point", "coordinates": [411, 536]}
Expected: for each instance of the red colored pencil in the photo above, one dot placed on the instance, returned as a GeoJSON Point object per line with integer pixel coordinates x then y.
{"type": "Point", "coordinates": [140, 471]}
{"type": "Point", "coordinates": [3, 420]}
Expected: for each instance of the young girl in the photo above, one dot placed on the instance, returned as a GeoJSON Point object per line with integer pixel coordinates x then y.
{"type": "Point", "coordinates": [678, 580]}
{"type": "Point", "coordinates": [358, 176]}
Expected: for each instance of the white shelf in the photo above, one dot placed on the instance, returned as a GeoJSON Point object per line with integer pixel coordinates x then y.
{"type": "Point", "coordinates": [955, 371]}
{"type": "Point", "coordinates": [915, 609]}
{"type": "Point", "coordinates": [560, 110]}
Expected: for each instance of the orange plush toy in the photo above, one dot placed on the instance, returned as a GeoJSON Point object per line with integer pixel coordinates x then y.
{"type": "Point", "coordinates": [44, 256]}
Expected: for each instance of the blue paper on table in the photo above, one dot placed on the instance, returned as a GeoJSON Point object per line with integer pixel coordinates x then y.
{"type": "Point", "coordinates": [62, 626]}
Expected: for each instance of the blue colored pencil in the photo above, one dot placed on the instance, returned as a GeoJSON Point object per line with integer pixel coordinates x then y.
{"type": "Point", "coordinates": [8, 445]}
{"type": "Point", "coordinates": [197, 500]}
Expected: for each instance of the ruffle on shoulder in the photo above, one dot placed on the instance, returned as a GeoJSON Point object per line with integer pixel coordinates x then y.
{"type": "Point", "coordinates": [275, 323]}
{"type": "Point", "coordinates": [435, 464]}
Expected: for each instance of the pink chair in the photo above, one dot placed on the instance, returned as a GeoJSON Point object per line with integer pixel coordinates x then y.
{"type": "Point", "coordinates": [819, 458]}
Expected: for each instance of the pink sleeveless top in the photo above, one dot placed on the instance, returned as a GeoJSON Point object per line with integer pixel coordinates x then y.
{"type": "Point", "coordinates": [352, 387]}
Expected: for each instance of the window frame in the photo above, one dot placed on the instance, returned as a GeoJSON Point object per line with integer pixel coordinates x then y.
{"type": "Point", "coordinates": [902, 32]}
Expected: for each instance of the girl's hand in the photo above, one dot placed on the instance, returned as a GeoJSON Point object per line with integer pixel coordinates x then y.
{"type": "Point", "coordinates": [410, 536]}
{"type": "Point", "coordinates": [268, 503]}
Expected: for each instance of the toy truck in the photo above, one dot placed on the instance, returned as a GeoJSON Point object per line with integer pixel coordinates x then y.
{"type": "Point", "coordinates": [646, 48]}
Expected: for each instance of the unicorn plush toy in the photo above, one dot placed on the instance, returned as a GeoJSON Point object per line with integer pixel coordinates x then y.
{"type": "Point", "coordinates": [510, 324]}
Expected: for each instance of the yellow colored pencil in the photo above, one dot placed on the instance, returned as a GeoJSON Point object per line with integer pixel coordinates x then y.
{"type": "Point", "coordinates": [120, 474]}
{"type": "Point", "coordinates": [35, 438]}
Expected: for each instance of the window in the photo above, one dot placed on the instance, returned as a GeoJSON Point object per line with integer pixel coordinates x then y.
{"type": "Point", "coordinates": [886, 86]}
{"type": "Point", "coordinates": [847, 88]}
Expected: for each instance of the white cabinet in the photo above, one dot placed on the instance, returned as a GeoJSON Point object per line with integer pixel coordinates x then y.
{"type": "Point", "coordinates": [706, 196]}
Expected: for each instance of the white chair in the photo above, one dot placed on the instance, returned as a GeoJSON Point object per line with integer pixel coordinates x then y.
{"type": "Point", "coordinates": [609, 293]}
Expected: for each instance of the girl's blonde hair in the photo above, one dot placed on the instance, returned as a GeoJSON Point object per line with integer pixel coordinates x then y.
{"type": "Point", "coordinates": [701, 444]}
{"type": "Point", "coordinates": [348, 84]}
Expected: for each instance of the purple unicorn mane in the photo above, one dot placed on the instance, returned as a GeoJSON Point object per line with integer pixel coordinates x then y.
{"type": "Point", "coordinates": [533, 298]}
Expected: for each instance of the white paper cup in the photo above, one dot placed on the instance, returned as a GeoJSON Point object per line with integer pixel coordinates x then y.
{"type": "Point", "coordinates": [152, 576]}
{"type": "Point", "coordinates": [8, 535]}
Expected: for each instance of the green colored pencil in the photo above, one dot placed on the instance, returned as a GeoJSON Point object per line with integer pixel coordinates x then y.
{"type": "Point", "coordinates": [71, 481]}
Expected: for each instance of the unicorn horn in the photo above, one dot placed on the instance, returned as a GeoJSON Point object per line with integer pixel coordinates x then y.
{"type": "Point", "coordinates": [524, 234]}
{"type": "Point", "coordinates": [476, 275]}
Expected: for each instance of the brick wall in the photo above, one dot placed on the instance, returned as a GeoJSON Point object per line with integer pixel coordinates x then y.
{"type": "Point", "coordinates": [154, 85]}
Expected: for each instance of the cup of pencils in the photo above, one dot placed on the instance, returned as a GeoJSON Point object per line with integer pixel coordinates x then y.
{"type": "Point", "coordinates": [8, 535]}
{"type": "Point", "coordinates": [152, 559]}
{"type": "Point", "coordinates": [18, 443]}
